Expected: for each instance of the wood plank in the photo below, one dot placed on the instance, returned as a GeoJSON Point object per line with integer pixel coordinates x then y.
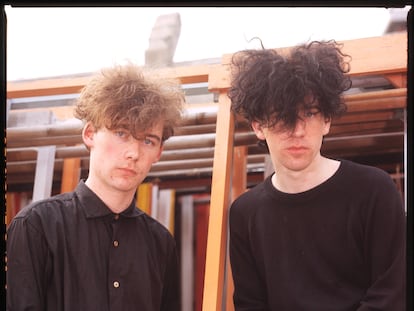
{"type": "Point", "coordinates": [238, 186]}
{"type": "Point", "coordinates": [73, 85]}
{"type": "Point", "coordinates": [398, 80]}
{"type": "Point", "coordinates": [370, 56]}
{"type": "Point", "coordinates": [70, 174]}
{"type": "Point", "coordinates": [366, 128]}
{"type": "Point", "coordinates": [378, 55]}
{"type": "Point", "coordinates": [45, 87]}
{"type": "Point", "coordinates": [372, 116]}
{"type": "Point", "coordinates": [376, 104]}
{"type": "Point", "coordinates": [220, 199]}
{"type": "Point", "coordinates": [401, 92]}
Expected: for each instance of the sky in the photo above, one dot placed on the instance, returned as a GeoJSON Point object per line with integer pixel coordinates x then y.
{"type": "Point", "coordinates": [46, 42]}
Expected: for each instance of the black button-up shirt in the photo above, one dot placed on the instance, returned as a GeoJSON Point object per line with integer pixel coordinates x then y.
{"type": "Point", "coordinates": [70, 252]}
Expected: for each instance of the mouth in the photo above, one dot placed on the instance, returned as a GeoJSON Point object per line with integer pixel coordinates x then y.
{"type": "Point", "coordinates": [296, 149]}
{"type": "Point", "coordinates": [127, 171]}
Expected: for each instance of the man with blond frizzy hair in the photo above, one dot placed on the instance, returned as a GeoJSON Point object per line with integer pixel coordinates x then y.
{"type": "Point", "coordinates": [92, 249]}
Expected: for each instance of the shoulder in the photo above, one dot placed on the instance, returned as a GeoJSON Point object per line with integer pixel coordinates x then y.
{"type": "Point", "coordinates": [371, 185]}
{"type": "Point", "coordinates": [251, 195]}
{"type": "Point", "coordinates": [161, 235]}
{"type": "Point", "coordinates": [44, 209]}
{"type": "Point", "coordinates": [40, 216]}
{"type": "Point", "coordinates": [245, 204]}
{"type": "Point", "coordinates": [365, 175]}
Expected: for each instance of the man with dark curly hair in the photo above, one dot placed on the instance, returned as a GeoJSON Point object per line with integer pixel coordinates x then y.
{"type": "Point", "coordinates": [318, 234]}
{"type": "Point", "coordinates": [92, 249]}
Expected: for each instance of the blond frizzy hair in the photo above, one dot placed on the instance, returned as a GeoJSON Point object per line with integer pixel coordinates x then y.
{"type": "Point", "coordinates": [131, 97]}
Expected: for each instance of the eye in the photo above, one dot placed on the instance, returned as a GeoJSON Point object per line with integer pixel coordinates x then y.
{"type": "Point", "coordinates": [148, 141]}
{"type": "Point", "coordinates": [121, 133]}
{"type": "Point", "coordinates": [310, 113]}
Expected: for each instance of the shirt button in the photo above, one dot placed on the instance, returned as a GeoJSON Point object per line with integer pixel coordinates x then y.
{"type": "Point", "coordinates": [116, 284]}
{"type": "Point", "coordinates": [116, 217]}
{"type": "Point", "coordinates": [116, 243]}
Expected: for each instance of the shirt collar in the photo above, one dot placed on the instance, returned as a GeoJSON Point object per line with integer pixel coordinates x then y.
{"type": "Point", "coordinates": [94, 207]}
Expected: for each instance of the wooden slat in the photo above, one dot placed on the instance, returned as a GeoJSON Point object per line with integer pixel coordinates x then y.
{"type": "Point", "coordinates": [70, 174]}
{"type": "Point", "coordinates": [220, 199]}
{"type": "Point", "coordinates": [402, 92]}
{"type": "Point", "coordinates": [374, 127]}
{"type": "Point", "coordinates": [370, 56]}
{"type": "Point", "coordinates": [398, 80]}
{"type": "Point", "coordinates": [44, 141]}
{"type": "Point", "coordinates": [378, 55]}
{"type": "Point", "coordinates": [381, 115]}
{"type": "Point", "coordinates": [377, 104]}
{"type": "Point", "coordinates": [73, 85]}
{"type": "Point", "coordinates": [238, 186]}
{"type": "Point", "coordinates": [45, 87]}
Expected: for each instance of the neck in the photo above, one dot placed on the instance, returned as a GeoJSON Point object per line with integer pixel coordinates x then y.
{"type": "Point", "coordinates": [116, 201]}
{"type": "Point", "coordinates": [290, 181]}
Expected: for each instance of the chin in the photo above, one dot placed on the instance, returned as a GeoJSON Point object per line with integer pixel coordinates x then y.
{"type": "Point", "coordinates": [297, 165]}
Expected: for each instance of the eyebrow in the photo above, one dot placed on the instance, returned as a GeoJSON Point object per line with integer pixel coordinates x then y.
{"type": "Point", "coordinates": [156, 137]}
{"type": "Point", "coordinates": [312, 106]}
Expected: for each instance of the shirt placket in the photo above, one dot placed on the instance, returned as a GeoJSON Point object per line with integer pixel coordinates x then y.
{"type": "Point", "coordinates": [115, 285]}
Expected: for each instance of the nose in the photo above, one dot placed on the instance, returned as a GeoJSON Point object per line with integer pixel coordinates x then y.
{"type": "Point", "coordinates": [133, 150]}
{"type": "Point", "coordinates": [299, 129]}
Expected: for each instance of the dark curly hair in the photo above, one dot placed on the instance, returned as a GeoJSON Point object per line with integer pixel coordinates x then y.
{"type": "Point", "coordinates": [270, 87]}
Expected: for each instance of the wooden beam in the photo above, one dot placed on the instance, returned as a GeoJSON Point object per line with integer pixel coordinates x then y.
{"type": "Point", "coordinates": [70, 174]}
{"type": "Point", "coordinates": [402, 92]}
{"type": "Point", "coordinates": [370, 56]}
{"type": "Point", "coordinates": [45, 87]}
{"type": "Point", "coordinates": [73, 85]}
{"type": "Point", "coordinates": [360, 117]}
{"type": "Point", "coordinates": [238, 186]}
{"type": "Point", "coordinates": [398, 80]}
{"type": "Point", "coordinates": [378, 55]}
{"type": "Point", "coordinates": [220, 200]}
{"type": "Point", "coordinates": [360, 128]}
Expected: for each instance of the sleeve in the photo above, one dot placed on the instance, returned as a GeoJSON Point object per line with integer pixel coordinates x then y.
{"type": "Point", "coordinates": [385, 249]}
{"type": "Point", "coordinates": [249, 289]}
{"type": "Point", "coordinates": [26, 266]}
{"type": "Point", "coordinates": [170, 295]}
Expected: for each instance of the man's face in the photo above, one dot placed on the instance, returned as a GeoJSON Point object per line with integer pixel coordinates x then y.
{"type": "Point", "coordinates": [118, 161]}
{"type": "Point", "coordinates": [295, 149]}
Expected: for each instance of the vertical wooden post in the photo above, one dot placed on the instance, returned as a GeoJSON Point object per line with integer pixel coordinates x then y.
{"type": "Point", "coordinates": [238, 186]}
{"type": "Point", "coordinates": [220, 200]}
{"type": "Point", "coordinates": [70, 174]}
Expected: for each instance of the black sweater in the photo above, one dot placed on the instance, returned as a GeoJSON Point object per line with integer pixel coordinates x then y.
{"type": "Point", "coordinates": [338, 246]}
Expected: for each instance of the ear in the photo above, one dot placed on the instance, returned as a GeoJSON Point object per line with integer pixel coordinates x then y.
{"type": "Point", "coordinates": [157, 158]}
{"type": "Point", "coordinates": [258, 130]}
{"type": "Point", "coordinates": [88, 133]}
{"type": "Point", "coordinates": [327, 126]}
